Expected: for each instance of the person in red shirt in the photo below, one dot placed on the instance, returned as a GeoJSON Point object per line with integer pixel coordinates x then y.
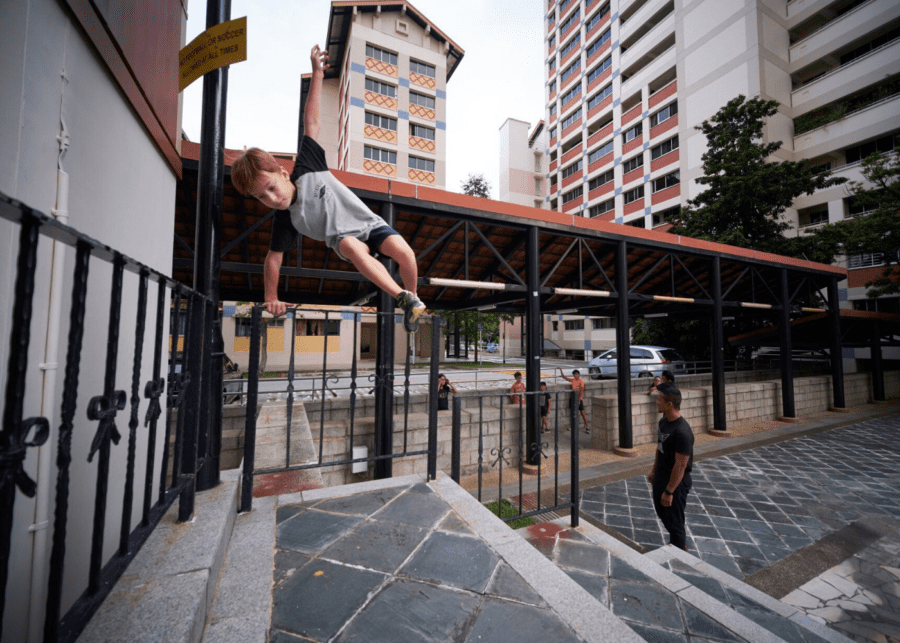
{"type": "Point", "coordinates": [517, 388]}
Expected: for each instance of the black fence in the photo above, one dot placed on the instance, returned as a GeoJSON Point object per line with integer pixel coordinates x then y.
{"type": "Point", "coordinates": [384, 389]}
{"type": "Point", "coordinates": [142, 400]}
{"type": "Point", "coordinates": [523, 449]}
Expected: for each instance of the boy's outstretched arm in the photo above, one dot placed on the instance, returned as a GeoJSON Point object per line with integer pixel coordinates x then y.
{"type": "Point", "coordinates": [271, 272]}
{"type": "Point", "coordinates": [319, 59]}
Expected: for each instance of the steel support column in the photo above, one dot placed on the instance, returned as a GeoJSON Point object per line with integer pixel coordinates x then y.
{"type": "Point", "coordinates": [384, 367]}
{"type": "Point", "coordinates": [623, 348]}
{"type": "Point", "coordinates": [717, 335]}
{"type": "Point", "coordinates": [877, 363]}
{"type": "Point", "coordinates": [837, 353]}
{"type": "Point", "coordinates": [787, 364]}
{"type": "Point", "coordinates": [210, 178]}
{"type": "Point", "coordinates": [533, 342]}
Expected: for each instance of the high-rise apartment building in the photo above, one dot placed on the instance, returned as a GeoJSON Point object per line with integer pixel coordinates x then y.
{"type": "Point", "coordinates": [384, 101]}
{"type": "Point", "coordinates": [523, 163]}
{"type": "Point", "coordinates": [629, 80]}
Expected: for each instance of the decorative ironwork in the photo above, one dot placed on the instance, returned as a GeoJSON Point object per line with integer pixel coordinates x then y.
{"type": "Point", "coordinates": [153, 390]}
{"type": "Point", "coordinates": [499, 453]}
{"type": "Point", "coordinates": [104, 410]}
{"type": "Point", "coordinates": [537, 449]}
{"type": "Point", "coordinates": [13, 458]}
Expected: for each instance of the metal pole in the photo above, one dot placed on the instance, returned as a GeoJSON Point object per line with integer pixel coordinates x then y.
{"type": "Point", "coordinates": [837, 354]}
{"type": "Point", "coordinates": [877, 363]}
{"type": "Point", "coordinates": [532, 345]}
{"type": "Point", "coordinates": [384, 368]}
{"type": "Point", "coordinates": [718, 349]}
{"type": "Point", "coordinates": [787, 365]}
{"type": "Point", "coordinates": [210, 179]}
{"type": "Point", "coordinates": [433, 396]}
{"type": "Point", "coordinates": [623, 348]}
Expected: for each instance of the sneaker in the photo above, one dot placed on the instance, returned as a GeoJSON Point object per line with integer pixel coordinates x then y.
{"type": "Point", "coordinates": [412, 308]}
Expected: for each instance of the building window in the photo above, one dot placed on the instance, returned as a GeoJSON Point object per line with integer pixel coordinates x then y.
{"type": "Point", "coordinates": [571, 118]}
{"type": "Point", "coordinates": [857, 209]}
{"type": "Point", "coordinates": [879, 305]}
{"type": "Point", "coordinates": [551, 88]}
{"type": "Point", "coordinates": [571, 69]}
{"type": "Point", "coordinates": [551, 19]}
{"type": "Point", "coordinates": [421, 68]}
{"type": "Point", "coordinates": [667, 181]}
{"type": "Point", "coordinates": [421, 131]}
{"type": "Point", "coordinates": [552, 109]}
{"type": "Point", "coordinates": [664, 114]}
{"type": "Point", "coordinates": [242, 327]}
{"type": "Point", "coordinates": [426, 165]}
{"type": "Point", "coordinates": [600, 96]}
{"type": "Point", "coordinates": [572, 93]}
{"type": "Point", "coordinates": [879, 145]}
{"type": "Point", "coordinates": [552, 42]}
{"type": "Point", "coordinates": [634, 132]}
{"type": "Point", "coordinates": [555, 326]}
{"type": "Point", "coordinates": [572, 169]}
{"type": "Point", "coordinates": [603, 179]}
{"type": "Point", "coordinates": [384, 122]}
{"type": "Point", "coordinates": [552, 133]}
{"type": "Point", "coordinates": [811, 217]}
{"type": "Point", "coordinates": [633, 163]}
{"type": "Point", "coordinates": [316, 327]}
{"type": "Point", "coordinates": [574, 194]}
{"type": "Point", "coordinates": [573, 324]}
{"type": "Point", "coordinates": [421, 100]}
{"type": "Point", "coordinates": [381, 88]}
{"type": "Point", "coordinates": [602, 40]}
{"type": "Point", "coordinates": [552, 64]}
{"type": "Point", "coordinates": [569, 46]}
{"type": "Point", "coordinates": [597, 154]}
{"type": "Point", "coordinates": [603, 323]}
{"type": "Point", "coordinates": [661, 217]}
{"type": "Point", "coordinates": [383, 156]}
{"type": "Point", "coordinates": [867, 260]}
{"type": "Point", "coordinates": [663, 148]}
{"type": "Point", "coordinates": [602, 208]}
{"type": "Point", "coordinates": [571, 20]}
{"type": "Point", "coordinates": [634, 195]}
{"type": "Point", "coordinates": [594, 74]}
{"type": "Point", "coordinates": [537, 187]}
{"type": "Point", "coordinates": [381, 54]}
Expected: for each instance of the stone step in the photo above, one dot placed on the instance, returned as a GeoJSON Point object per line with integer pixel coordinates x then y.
{"type": "Point", "coordinates": [777, 616]}
{"type": "Point", "coordinates": [652, 600]}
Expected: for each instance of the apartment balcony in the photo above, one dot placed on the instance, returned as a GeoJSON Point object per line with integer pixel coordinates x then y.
{"type": "Point", "coordinates": [662, 94]}
{"type": "Point", "coordinates": [601, 163]}
{"type": "Point", "coordinates": [852, 77]}
{"type": "Point", "coordinates": [801, 9]}
{"type": "Point", "coordinates": [632, 26]}
{"type": "Point", "coordinates": [570, 154]}
{"type": "Point", "coordinates": [869, 122]}
{"type": "Point", "coordinates": [842, 32]}
{"type": "Point", "coordinates": [657, 60]}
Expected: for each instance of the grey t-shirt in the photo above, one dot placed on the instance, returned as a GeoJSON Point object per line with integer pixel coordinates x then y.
{"type": "Point", "coordinates": [324, 209]}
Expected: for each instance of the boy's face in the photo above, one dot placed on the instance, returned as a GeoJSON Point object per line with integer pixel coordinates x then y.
{"type": "Point", "coordinates": [543, 387]}
{"type": "Point", "coordinates": [576, 375]}
{"type": "Point", "coordinates": [518, 378]}
{"type": "Point", "coordinates": [274, 189]}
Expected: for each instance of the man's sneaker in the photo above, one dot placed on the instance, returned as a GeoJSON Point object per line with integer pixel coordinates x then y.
{"type": "Point", "coordinates": [412, 308]}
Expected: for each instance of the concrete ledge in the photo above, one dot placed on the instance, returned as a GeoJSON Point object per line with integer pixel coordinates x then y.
{"type": "Point", "coordinates": [720, 434]}
{"type": "Point", "coordinates": [167, 590]}
{"type": "Point", "coordinates": [790, 420]}
{"type": "Point", "coordinates": [838, 409]}
{"type": "Point", "coordinates": [626, 452]}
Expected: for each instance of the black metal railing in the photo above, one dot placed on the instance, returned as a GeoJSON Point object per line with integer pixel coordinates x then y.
{"type": "Point", "coordinates": [383, 385]}
{"type": "Point", "coordinates": [155, 489]}
{"type": "Point", "coordinates": [520, 444]}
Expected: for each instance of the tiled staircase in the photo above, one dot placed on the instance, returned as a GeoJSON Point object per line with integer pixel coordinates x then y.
{"type": "Point", "coordinates": [668, 595]}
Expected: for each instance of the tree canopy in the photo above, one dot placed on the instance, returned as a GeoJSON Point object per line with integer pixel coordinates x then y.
{"type": "Point", "coordinates": [476, 185]}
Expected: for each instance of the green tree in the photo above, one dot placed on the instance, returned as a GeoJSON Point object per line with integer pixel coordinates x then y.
{"type": "Point", "coordinates": [468, 321]}
{"type": "Point", "coordinates": [476, 185]}
{"type": "Point", "coordinates": [878, 232]}
{"type": "Point", "coordinates": [746, 193]}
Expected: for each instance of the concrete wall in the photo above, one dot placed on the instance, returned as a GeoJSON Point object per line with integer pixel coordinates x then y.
{"type": "Point", "coordinates": [122, 191]}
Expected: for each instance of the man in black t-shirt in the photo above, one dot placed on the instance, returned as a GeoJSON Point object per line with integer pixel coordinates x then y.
{"type": "Point", "coordinates": [671, 473]}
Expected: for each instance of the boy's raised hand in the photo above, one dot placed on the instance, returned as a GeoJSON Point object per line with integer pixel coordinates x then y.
{"type": "Point", "coordinates": [319, 59]}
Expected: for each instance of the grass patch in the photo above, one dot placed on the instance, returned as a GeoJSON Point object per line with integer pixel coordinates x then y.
{"type": "Point", "coordinates": [507, 511]}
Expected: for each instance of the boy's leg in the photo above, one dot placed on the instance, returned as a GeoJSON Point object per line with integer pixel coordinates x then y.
{"type": "Point", "coordinates": [397, 249]}
{"type": "Point", "coordinates": [357, 252]}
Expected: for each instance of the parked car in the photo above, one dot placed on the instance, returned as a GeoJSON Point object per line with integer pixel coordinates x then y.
{"type": "Point", "coordinates": [646, 361]}
{"type": "Point", "coordinates": [491, 347]}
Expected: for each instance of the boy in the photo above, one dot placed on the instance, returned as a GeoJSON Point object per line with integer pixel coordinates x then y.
{"type": "Point", "coordinates": [577, 385]}
{"type": "Point", "coordinates": [545, 408]}
{"type": "Point", "coordinates": [517, 388]}
{"type": "Point", "coordinates": [312, 202]}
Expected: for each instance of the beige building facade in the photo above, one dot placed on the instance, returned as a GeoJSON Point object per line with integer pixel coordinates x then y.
{"type": "Point", "coordinates": [523, 163]}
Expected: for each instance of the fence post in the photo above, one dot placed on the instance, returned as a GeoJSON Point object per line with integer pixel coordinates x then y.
{"type": "Point", "coordinates": [455, 439]}
{"type": "Point", "coordinates": [574, 492]}
{"type": "Point", "coordinates": [433, 396]}
{"type": "Point", "coordinates": [250, 420]}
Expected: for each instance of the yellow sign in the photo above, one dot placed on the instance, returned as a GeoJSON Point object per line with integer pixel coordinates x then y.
{"type": "Point", "coordinates": [216, 47]}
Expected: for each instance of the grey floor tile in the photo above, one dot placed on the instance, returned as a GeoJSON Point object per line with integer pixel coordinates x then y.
{"type": "Point", "coordinates": [362, 504]}
{"type": "Point", "coordinates": [452, 560]}
{"type": "Point", "coordinates": [699, 624]}
{"type": "Point", "coordinates": [376, 544]}
{"type": "Point", "coordinates": [311, 531]}
{"type": "Point", "coordinates": [621, 570]}
{"type": "Point", "coordinates": [416, 509]}
{"type": "Point", "coordinates": [596, 586]}
{"type": "Point", "coordinates": [656, 635]}
{"type": "Point", "coordinates": [503, 621]}
{"type": "Point", "coordinates": [507, 583]}
{"type": "Point", "coordinates": [586, 557]}
{"type": "Point", "coordinates": [645, 604]}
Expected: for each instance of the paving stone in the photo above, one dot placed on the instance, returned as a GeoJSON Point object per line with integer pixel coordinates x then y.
{"type": "Point", "coordinates": [645, 603]}
{"type": "Point", "coordinates": [319, 598]}
{"type": "Point", "coordinates": [735, 535]}
{"type": "Point", "coordinates": [288, 511]}
{"type": "Point", "coordinates": [377, 544]}
{"type": "Point", "coordinates": [699, 624]}
{"type": "Point", "coordinates": [362, 504]}
{"type": "Point", "coordinates": [311, 531]}
{"type": "Point", "coordinates": [414, 612]}
{"type": "Point", "coordinates": [416, 509]}
{"type": "Point", "coordinates": [287, 562]}
{"type": "Point", "coordinates": [452, 560]}
{"type": "Point", "coordinates": [455, 524]}
{"type": "Point", "coordinates": [503, 621]}
{"type": "Point", "coordinates": [821, 590]}
{"type": "Point", "coordinates": [709, 586]}
{"type": "Point", "coordinates": [725, 563]}
{"type": "Point", "coordinates": [596, 586]}
{"type": "Point", "coordinates": [710, 545]}
{"type": "Point", "coordinates": [507, 583]}
{"type": "Point", "coordinates": [656, 635]}
{"type": "Point", "coordinates": [586, 557]}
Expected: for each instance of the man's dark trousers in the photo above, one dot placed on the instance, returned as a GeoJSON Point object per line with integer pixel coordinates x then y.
{"type": "Point", "coordinates": [672, 517]}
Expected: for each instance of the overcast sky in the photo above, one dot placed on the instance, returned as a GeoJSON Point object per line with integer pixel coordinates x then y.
{"type": "Point", "coordinates": [499, 77]}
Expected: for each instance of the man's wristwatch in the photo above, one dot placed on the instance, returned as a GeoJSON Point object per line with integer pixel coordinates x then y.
{"type": "Point", "coordinates": [667, 492]}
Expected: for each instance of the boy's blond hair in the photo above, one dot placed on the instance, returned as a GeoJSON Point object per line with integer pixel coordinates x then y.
{"type": "Point", "coordinates": [247, 167]}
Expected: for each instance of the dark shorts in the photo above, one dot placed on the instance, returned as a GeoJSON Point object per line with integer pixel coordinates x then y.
{"type": "Point", "coordinates": [377, 237]}
{"type": "Point", "coordinates": [580, 405]}
{"type": "Point", "coordinates": [543, 411]}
